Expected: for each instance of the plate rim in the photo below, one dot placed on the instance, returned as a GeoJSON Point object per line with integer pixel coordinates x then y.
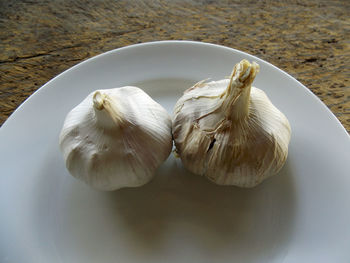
{"type": "Point", "coordinates": [12, 116]}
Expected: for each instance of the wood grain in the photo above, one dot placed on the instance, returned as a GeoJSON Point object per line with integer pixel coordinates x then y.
{"type": "Point", "coordinates": [308, 39]}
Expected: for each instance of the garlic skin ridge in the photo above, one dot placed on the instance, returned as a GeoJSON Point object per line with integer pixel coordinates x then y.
{"type": "Point", "coordinates": [116, 138]}
{"type": "Point", "coordinates": [229, 131]}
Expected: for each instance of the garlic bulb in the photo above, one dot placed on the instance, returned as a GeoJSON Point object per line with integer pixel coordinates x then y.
{"type": "Point", "coordinates": [116, 138]}
{"type": "Point", "coordinates": [229, 131]}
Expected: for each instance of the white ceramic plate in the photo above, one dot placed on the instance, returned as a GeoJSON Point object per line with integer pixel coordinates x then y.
{"type": "Point", "coordinates": [301, 215]}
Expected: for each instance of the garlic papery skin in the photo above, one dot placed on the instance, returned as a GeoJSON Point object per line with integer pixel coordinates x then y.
{"type": "Point", "coordinates": [116, 138]}
{"type": "Point", "coordinates": [229, 131]}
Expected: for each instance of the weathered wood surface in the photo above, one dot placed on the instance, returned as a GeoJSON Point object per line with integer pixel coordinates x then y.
{"type": "Point", "coordinates": [308, 39]}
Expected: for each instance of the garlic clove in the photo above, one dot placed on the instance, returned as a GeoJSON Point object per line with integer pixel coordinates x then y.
{"type": "Point", "coordinates": [116, 138]}
{"type": "Point", "coordinates": [229, 131]}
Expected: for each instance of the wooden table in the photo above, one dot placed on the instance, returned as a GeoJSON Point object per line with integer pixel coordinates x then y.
{"type": "Point", "coordinates": [308, 39]}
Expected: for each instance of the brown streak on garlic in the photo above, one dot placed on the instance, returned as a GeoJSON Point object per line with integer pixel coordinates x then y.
{"type": "Point", "coordinates": [229, 131]}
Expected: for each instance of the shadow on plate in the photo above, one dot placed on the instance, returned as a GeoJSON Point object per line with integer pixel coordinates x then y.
{"type": "Point", "coordinates": [181, 207]}
{"type": "Point", "coordinates": [176, 217]}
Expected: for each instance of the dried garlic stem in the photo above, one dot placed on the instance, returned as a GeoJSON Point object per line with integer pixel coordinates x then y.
{"type": "Point", "coordinates": [236, 103]}
{"type": "Point", "coordinates": [106, 111]}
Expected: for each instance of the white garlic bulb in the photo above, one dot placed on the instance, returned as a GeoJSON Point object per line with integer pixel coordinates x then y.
{"type": "Point", "coordinates": [116, 138]}
{"type": "Point", "coordinates": [229, 131]}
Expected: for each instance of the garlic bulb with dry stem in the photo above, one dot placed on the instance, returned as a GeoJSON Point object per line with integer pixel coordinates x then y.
{"type": "Point", "coordinates": [229, 131]}
{"type": "Point", "coordinates": [116, 138]}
